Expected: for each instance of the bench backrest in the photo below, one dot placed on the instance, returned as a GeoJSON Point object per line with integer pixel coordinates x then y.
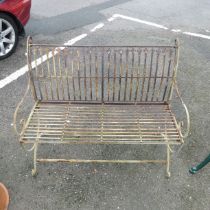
{"type": "Point", "coordinates": [102, 74]}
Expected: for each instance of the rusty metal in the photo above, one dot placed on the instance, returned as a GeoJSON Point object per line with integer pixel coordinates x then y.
{"type": "Point", "coordinates": [98, 161]}
{"type": "Point", "coordinates": [102, 95]}
{"type": "Point", "coordinates": [121, 124]}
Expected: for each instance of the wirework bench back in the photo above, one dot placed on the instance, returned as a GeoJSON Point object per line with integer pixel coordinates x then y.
{"type": "Point", "coordinates": [119, 74]}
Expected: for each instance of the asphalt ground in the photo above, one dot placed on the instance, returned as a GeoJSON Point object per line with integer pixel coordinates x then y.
{"type": "Point", "coordinates": [113, 186]}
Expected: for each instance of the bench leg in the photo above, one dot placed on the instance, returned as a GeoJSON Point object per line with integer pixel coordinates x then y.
{"type": "Point", "coordinates": [34, 170]}
{"type": "Point", "coordinates": [168, 173]}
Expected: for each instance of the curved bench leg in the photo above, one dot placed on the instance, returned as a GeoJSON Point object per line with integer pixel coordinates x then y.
{"type": "Point", "coordinates": [168, 173]}
{"type": "Point", "coordinates": [34, 170]}
{"type": "Point", "coordinates": [194, 170]}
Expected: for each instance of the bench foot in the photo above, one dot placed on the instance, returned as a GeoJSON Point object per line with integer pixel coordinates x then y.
{"type": "Point", "coordinates": [168, 175]}
{"type": "Point", "coordinates": [34, 172]}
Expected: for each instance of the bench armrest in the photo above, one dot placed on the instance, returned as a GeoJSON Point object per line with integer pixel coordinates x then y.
{"type": "Point", "coordinates": [180, 124]}
{"type": "Point", "coordinates": [22, 121]}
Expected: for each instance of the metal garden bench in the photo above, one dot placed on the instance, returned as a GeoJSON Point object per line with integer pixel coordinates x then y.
{"type": "Point", "coordinates": [102, 95]}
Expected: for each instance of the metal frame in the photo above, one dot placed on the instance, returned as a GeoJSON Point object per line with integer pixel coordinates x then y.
{"type": "Point", "coordinates": [113, 95]}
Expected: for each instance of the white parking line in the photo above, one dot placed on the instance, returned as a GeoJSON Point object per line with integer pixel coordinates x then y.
{"type": "Point", "coordinates": [157, 25]}
{"type": "Point", "coordinates": [13, 76]}
{"type": "Point", "coordinates": [75, 39]}
{"type": "Point", "coordinates": [100, 25]}
{"type": "Point", "coordinates": [176, 30]}
{"type": "Point", "coordinates": [197, 35]}
{"type": "Point", "coordinates": [137, 20]}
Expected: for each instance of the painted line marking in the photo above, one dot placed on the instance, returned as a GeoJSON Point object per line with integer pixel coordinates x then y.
{"type": "Point", "coordinates": [75, 39]}
{"type": "Point", "coordinates": [111, 19]}
{"type": "Point", "coordinates": [13, 76]}
{"type": "Point", "coordinates": [197, 35]}
{"type": "Point", "coordinates": [137, 20]}
{"type": "Point", "coordinates": [115, 16]}
{"type": "Point", "coordinates": [176, 30]}
{"type": "Point", "coordinates": [100, 25]}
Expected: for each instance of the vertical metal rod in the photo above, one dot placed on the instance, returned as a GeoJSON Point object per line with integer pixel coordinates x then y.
{"type": "Point", "coordinates": [120, 76]}
{"type": "Point", "coordinates": [163, 73]}
{"type": "Point", "coordinates": [78, 74]}
{"type": "Point", "coordinates": [35, 59]}
{"type": "Point", "coordinates": [168, 162]}
{"type": "Point", "coordinates": [150, 74]}
{"type": "Point", "coordinates": [34, 170]}
{"type": "Point", "coordinates": [96, 74]}
{"type": "Point", "coordinates": [175, 69]}
{"type": "Point", "coordinates": [156, 71]}
{"type": "Point", "coordinates": [90, 60]}
{"type": "Point", "coordinates": [66, 73]}
{"type": "Point", "coordinates": [49, 74]}
{"type": "Point", "coordinates": [60, 71]}
{"type": "Point", "coordinates": [29, 41]}
{"type": "Point", "coordinates": [85, 82]}
{"type": "Point", "coordinates": [35, 147]}
{"type": "Point", "coordinates": [37, 73]}
{"type": "Point", "coordinates": [41, 56]}
{"type": "Point", "coordinates": [42, 74]}
{"type": "Point", "coordinates": [55, 74]}
{"type": "Point", "coordinates": [144, 73]}
{"type": "Point", "coordinates": [126, 74]}
{"type": "Point", "coordinates": [109, 52]}
{"type": "Point", "coordinates": [102, 82]}
{"type": "Point", "coordinates": [115, 68]}
{"type": "Point", "coordinates": [72, 72]}
{"type": "Point", "coordinates": [168, 75]}
{"type": "Point", "coordinates": [138, 75]}
{"type": "Point", "coordinates": [132, 68]}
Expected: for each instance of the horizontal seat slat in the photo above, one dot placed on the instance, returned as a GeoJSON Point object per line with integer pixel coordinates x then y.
{"type": "Point", "coordinates": [100, 142]}
{"type": "Point", "coordinates": [30, 129]}
{"type": "Point", "coordinates": [80, 120]}
{"type": "Point", "coordinates": [128, 134]}
{"type": "Point", "coordinates": [91, 138]}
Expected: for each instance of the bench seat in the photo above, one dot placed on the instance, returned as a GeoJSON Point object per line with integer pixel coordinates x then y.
{"type": "Point", "coordinates": [101, 123]}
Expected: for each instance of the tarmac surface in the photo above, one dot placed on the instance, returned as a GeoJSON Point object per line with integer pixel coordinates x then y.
{"type": "Point", "coordinates": [113, 186]}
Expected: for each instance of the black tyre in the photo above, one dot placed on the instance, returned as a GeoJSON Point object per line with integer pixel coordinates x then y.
{"type": "Point", "coordinates": [8, 36]}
